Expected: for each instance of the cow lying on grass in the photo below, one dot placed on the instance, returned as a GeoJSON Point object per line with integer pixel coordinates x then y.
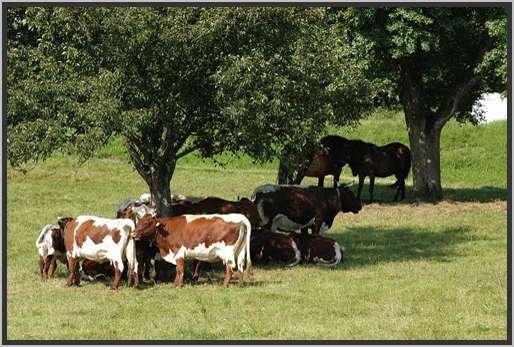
{"type": "Point", "coordinates": [268, 246]}
{"type": "Point", "coordinates": [100, 240]}
{"type": "Point", "coordinates": [318, 249]}
{"type": "Point", "coordinates": [208, 238]}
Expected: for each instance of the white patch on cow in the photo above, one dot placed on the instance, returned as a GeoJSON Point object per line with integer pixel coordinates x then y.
{"type": "Point", "coordinates": [229, 218]}
{"type": "Point", "coordinates": [282, 222]}
{"type": "Point", "coordinates": [145, 198]}
{"type": "Point", "coordinates": [331, 262]}
{"type": "Point", "coordinates": [44, 242]}
{"type": "Point", "coordinates": [297, 254]}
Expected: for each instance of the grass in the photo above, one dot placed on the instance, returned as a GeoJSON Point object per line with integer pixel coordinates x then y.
{"type": "Point", "coordinates": [410, 271]}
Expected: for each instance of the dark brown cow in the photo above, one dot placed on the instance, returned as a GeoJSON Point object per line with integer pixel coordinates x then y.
{"type": "Point", "coordinates": [318, 249]}
{"type": "Point", "coordinates": [100, 239]}
{"type": "Point", "coordinates": [91, 270]}
{"type": "Point", "coordinates": [290, 208]}
{"type": "Point", "coordinates": [209, 238]}
{"type": "Point", "coordinates": [267, 246]}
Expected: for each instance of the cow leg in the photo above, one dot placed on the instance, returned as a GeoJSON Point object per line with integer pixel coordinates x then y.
{"type": "Point", "coordinates": [196, 274]}
{"type": "Point", "coordinates": [240, 278]}
{"type": "Point", "coordinates": [371, 186]}
{"type": "Point", "coordinates": [228, 275]}
{"type": "Point", "coordinates": [361, 184]}
{"type": "Point", "coordinates": [53, 266]}
{"type": "Point", "coordinates": [402, 185]}
{"type": "Point", "coordinates": [305, 230]}
{"type": "Point", "coordinates": [179, 277]}
{"type": "Point", "coordinates": [72, 269]}
{"type": "Point", "coordinates": [337, 175]}
{"type": "Point", "coordinates": [118, 270]}
{"type": "Point", "coordinates": [321, 181]}
{"type": "Point", "coordinates": [42, 267]}
{"type": "Point", "coordinates": [48, 262]}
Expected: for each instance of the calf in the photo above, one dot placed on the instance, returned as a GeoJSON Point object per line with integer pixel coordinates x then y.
{"type": "Point", "coordinates": [91, 270]}
{"type": "Point", "coordinates": [50, 246]}
{"type": "Point", "coordinates": [267, 246]}
{"type": "Point", "coordinates": [207, 238]}
{"type": "Point", "coordinates": [100, 239]}
{"type": "Point", "coordinates": [318, 249]}
{"type": "Point", "coordinates": [291, 207]}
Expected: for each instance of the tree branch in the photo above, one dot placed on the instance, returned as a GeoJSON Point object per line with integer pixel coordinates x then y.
{"type": "Point", "coordinates": [186, 152]}
{"type": "Point", "coordinates": [453, 101]}
{"type": "Point", "coordinates": [140, 166]}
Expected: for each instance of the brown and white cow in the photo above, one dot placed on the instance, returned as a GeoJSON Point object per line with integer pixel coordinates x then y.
{"type": "Point", "coordinates": [209, 238]}
{"type": "Point", "coordinates": [318, 249]}
{"type": "Point", "coordinates": [90, 270]}
{"type": "Point", "coordinates": [100, 239]}
{"type": "Point", "coordinates": [292, 207]}
{"type": "Point", "coordinates": [268, 245]}
{"type": "Point", "coordinates": [50, 246]}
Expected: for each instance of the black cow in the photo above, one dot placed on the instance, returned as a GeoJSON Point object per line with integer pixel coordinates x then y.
{"type": "Point", "coordinates": [290, 207]}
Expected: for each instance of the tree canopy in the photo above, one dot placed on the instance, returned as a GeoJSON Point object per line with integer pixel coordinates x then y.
{"type": "Point", "coordinates": [174, 80]}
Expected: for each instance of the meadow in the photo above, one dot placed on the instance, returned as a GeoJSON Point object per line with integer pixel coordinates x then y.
{"type": "Point", "coordinates": [410, 270]}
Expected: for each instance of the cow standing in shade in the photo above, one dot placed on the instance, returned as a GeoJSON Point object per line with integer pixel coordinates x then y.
{"type": "Point", "coordinates": [100, 240]}
{"type": "Point", "coordinates": [209, 238]}
{"type": "Point", "coordinates": [318, 249]}
{"type": "Point", "coordinates": [291, 207]}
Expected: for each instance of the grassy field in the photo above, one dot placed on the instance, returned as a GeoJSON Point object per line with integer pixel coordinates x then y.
{"type": "Point", "coordinates": [410, 271]}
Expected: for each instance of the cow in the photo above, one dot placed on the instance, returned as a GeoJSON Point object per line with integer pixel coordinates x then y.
{"type": "Point", "coordinates": [90, 270]}
{"type": "Point", "coordinates": [267, 246]}
{"type": "Point", "coordinates": [208, 238]}
{"type": "Point", "coordinates": [318, 249]}
{"type": "Point", "coordinates": [291, 207]}
{"type": "Point", "coordinates": [50, 246]}
{"type": "Point", "coordinates": [100, 239]}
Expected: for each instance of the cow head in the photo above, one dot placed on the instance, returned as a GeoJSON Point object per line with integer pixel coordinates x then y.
{"type": "Point", "coordinates": [145, 227]}
{"type": "Point", "coordinates": [349, 202]}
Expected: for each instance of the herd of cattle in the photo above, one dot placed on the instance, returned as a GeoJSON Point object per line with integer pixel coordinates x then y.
{"type": "Point", "coordinates": [208, 230]}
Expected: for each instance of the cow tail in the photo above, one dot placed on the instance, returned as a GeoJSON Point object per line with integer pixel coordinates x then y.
{"type": "Point", "coordinates": [248, 233]}
{"type": "Point", "coordinates": [130, 253]}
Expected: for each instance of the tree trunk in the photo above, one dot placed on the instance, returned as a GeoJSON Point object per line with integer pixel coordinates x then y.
{"type": "Point", "coordinates": [424, 137]}
{"type": "Point", "coordinates": [283, 176]}
{"type": "Point", "coordinates": [159, 184]}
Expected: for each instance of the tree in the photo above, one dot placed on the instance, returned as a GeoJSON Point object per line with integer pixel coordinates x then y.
{"type": "Point", "coordinates": [170, 81]}
{"type": "Point", "coordinates": [440, 61]}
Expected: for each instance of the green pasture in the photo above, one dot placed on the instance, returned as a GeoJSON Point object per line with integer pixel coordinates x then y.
{"type": "Point", "coordinates": [410, 271]}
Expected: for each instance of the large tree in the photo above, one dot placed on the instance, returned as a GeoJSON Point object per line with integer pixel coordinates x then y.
{"type": "Point", "coordinates": [439, 61]}
{"type": "Point", "coordinates": [171, 81]}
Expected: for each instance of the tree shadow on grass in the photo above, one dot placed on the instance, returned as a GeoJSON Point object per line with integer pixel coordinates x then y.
{"type": "Point", "coordinates": [366, 246]}
{"type": "Point", "coordinates": [384, 194]}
